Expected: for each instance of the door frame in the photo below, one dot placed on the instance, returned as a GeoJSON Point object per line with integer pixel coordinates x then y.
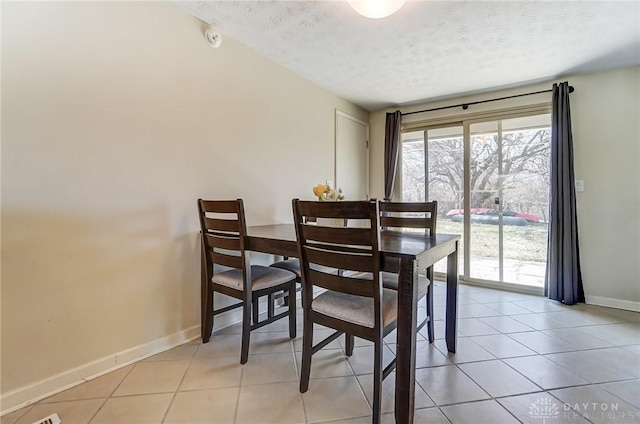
{"type": "Point", "coordinates": [338, 114]}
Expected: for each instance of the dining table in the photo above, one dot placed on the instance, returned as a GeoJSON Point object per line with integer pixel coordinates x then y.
{"type": "Point", "coordinates": [402, 252]}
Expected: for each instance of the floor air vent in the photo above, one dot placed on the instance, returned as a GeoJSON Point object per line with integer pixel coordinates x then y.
{"type": "Point", "coordinates": [51, 419]}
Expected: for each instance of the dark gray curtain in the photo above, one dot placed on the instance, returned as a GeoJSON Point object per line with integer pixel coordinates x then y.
{"type": "Point", "coordinates": [391, 146]}
{"type": "Point", "coordinates": [563, 277]}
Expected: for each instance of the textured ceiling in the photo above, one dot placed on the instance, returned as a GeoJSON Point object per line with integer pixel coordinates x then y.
{"type": "Point", "coordinates": [431, 49]}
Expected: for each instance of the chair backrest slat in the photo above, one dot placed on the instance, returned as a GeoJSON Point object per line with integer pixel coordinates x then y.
{"type": "Point", "coordinates": [223, 242]}
{"type": "Point", "coordinates": [219, 206]}
{"type": "Point", "coordinates": [355, 236]}
{"type": "Point", "coordinates": [405, 222]}
{"type": "Point", "coordinates": [409, 206]}
{"type": "Point", "coordinates": [338, 259]}
{"type": "Point", "coordinates": [422, 215]}
{"type": "Point", "coordinates": [226, 260]}
{"type": "Point", "coordinates": [222, 225]}
{"type": "Point", "coordinates": [336, 210]}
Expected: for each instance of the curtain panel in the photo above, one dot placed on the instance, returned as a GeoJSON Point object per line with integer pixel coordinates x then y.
{"type": "Point", "coordinates": [563, 277]}
{"type": "Point", "coordinates": [391, 151]}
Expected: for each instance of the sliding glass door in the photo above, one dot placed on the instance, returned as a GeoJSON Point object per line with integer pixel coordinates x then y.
{"type": "Point", "coordinates": [491, 181]}
{"type": "Point", "coordinates": [434, 170]}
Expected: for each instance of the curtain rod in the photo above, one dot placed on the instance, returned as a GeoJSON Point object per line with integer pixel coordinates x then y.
{"type": "Point", "coordinates": [465, 106]}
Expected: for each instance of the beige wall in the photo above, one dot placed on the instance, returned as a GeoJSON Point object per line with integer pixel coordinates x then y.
{"type": "Point", "coordinates": [116, 117]}
{"type": "Point", "coordinates": [605, 112]}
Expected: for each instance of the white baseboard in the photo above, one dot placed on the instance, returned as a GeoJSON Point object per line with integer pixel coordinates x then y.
{"type": "Point", "coordinates": [608, 302]}
{"type": "Point", "coordinates": [613, 303]}
{"type": "Point", "coordinates": [27, 395]}
{"type": "Point", "coordinates": [31, 393]}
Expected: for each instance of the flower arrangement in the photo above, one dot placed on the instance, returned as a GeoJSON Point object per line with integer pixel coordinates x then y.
{"type": "Point", "coordinates": [326, 193]}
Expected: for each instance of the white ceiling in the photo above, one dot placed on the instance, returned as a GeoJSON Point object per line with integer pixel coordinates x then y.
{"type": "Point", "coordinates": [431, 49]}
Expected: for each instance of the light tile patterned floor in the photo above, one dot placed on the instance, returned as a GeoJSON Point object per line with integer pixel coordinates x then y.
{"type": "Point", "coordinates": [520, 359]}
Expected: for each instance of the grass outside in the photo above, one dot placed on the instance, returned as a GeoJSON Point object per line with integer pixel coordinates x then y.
{"type": "Point", "coordinates": [524, 252]}
{"type": "Point", "coordinates": [526, 243]}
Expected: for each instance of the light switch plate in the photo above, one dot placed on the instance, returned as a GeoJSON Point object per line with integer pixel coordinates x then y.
{"type": "Point", "coordinates": [579, 185]}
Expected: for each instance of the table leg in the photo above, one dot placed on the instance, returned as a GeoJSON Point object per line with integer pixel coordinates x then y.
{"type": "Point", "coordinates": [452, 300]}
{"type": "Point", "coordinates": [204, 293]}
{"type": "Point", "coordinates": [406, 341]}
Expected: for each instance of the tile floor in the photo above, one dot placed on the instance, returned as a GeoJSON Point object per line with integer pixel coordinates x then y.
{"type": "Point", "coordinates": [520, 359]}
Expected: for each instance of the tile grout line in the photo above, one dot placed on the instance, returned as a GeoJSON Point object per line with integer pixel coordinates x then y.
{"type": "Point", "coordinates": [175, 393]}
{"type": "Point", "coordinates": [235, 412]}
{"type": "Point", "coordinates": [95, 414]}
{"type": "Point", "coordinates": [295, 364]}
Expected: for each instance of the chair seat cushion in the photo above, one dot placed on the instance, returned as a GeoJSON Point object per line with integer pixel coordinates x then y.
{"type": "Point", "coordinates": [356, 309]}
{"type": "Point", "coordinates": [390, 281]}
{"type": "Point", "coordinates": [293, 265]}
{"type": "Point", "coordinates": [262, 277]}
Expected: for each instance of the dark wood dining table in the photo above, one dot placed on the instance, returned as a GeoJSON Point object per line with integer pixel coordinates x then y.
{"type": "Point", "coordinates": [405, 253]}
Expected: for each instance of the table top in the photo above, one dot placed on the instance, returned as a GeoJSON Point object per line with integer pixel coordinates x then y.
{"type": "Point", "coordinates": [396, 243]}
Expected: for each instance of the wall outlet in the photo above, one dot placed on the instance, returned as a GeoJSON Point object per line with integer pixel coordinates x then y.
{"type": "Point", "coordinates": [579, 185]}
{"type": "Point", "coordinates": [329, 183]}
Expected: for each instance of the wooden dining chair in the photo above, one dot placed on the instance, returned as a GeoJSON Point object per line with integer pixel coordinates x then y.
{"type": "Point", "coordinates": [358, 307]}
{"type": "Point", "coordinates": [224, 229]}
{"type": "Point", "coordinates": [412, 216]}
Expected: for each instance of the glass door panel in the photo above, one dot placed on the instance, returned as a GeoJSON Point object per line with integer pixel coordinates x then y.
{"type": "Point", "coordinates": [485, 193]}
{"type": "Point", "coordinates": [509, 182]}
{"type": "Point", "coordinates": [435, 171]}
{"type": "Point", "coordinates": [526, 144]}
{"type": "Point", "coordinates": [413, 167]}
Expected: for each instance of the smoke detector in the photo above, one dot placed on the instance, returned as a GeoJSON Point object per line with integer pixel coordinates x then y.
{"type": "Point", "coordinates": [213, 37]}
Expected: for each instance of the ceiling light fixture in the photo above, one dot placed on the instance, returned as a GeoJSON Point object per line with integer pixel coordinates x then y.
{"type": "Point", "coordinates": [376, 9]}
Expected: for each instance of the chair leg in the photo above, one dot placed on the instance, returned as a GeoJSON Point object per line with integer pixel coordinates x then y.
{"type": "Point", "coordinates": [429, 300]}
{"type": "Point", "coordinates": [430, 326]}
{"type": "Point", "coordinates": [297, 289]}
{"type": "Point", "coordinates": [208, 318]}
{"type": "Point", "coordinates": [307, 351]}
{"type": "Point", "coordinates": [349, 342]}
{"type": "Point", "coordinates": [256, 312]}
{"type": "Point", "coordinates": [292, 311]}
{"type": "Point", "coordinates": [246, 329]}
{"type": "Point", "coordinates": [377, 382]}
{"type": "Point", "coordinates": [271, 305]}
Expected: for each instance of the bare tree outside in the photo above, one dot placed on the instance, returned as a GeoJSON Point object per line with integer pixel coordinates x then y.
{"type": "Point", "coordinates": [525, 172]}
